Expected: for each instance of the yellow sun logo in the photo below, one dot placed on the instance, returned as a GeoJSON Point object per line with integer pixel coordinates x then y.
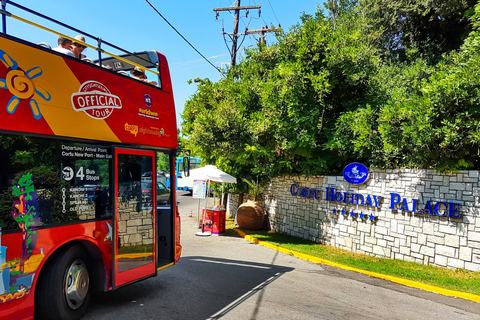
{"type": "Point", "coordinates": [21, 85]}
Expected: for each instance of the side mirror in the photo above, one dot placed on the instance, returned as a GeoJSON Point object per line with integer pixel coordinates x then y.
{"type": "Point", "coordinates": [186, 167]}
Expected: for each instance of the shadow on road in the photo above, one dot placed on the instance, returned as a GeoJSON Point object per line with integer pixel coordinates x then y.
{"type": "Point", "coordinates": [198, 287]}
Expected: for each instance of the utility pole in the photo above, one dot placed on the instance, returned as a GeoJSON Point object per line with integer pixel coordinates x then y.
{"type": "Point", "coordinates": [263, 31]}
{"type": "Point", "coordinates": [235, 34]}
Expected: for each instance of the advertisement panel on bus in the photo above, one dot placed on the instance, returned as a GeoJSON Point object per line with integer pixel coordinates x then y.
{"type": "Point", "coordinates": [47, 93]}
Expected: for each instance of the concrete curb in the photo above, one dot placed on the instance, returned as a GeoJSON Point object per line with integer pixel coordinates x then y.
{"type": "Point", "coordinates": [414, 284]}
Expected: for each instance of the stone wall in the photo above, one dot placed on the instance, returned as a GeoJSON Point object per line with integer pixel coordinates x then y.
{"type": "Point", "coordinates": [412, 215]}
{"type": "Point", "coordinates": [233, 202]}
{"type": "Point", "coordinates": [135, 226]}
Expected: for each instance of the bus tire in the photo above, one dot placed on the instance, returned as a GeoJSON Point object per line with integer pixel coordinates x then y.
{"type": "Point", "coordinates": [64, 286]}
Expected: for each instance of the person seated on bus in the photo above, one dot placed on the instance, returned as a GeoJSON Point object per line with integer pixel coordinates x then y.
{"type": "Point", "coordinates": [78, 48]}
{"type": "Point", "coordinates": [139, 74]}
{"type": "Point", "coordinates": [64, 46]}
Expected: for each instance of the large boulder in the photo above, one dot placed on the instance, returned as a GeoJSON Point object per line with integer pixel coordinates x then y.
{"type": "Point", "coordinates": [250, 215]}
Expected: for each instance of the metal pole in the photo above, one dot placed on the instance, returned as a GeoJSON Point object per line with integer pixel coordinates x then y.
{"type": "Point", "coordinates": [207, 194]}
{"type": "Point", "coordinates": [99, 49]}
{"type": "Point", "coordinates": [198, 213]}
{"type": "Point", "coordinates": [4, 16]}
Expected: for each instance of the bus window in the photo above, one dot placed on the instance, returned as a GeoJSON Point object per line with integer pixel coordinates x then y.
{"type": "Point", "coordinates": [89, 188]}
{"type": "Point", "coordinates": [68, 181]}
{"type": "Point", "coordinates": [163, 188]}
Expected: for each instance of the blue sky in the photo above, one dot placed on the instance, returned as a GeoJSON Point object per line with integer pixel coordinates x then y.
{"type": "Point", "coordinates": [135, 26]}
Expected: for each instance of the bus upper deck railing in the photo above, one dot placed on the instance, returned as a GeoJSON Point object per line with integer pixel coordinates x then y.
{"type": "Point", "coordinates": [99, 41]}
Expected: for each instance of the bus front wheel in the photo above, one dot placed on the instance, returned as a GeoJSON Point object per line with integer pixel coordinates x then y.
{"type": "Point", "coordinates": [64, 290]}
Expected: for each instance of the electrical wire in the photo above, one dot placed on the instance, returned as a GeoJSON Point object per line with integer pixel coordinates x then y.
{"type": "Point", "coordinates": [183, 37]}
{"type": "Point", "coordinates": [261, 16]}
{"type": "Point", "coordinates": [273, 12]}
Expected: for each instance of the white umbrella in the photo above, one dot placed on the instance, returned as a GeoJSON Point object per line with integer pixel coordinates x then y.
{"type": "Point", "coordinates": [213, 174]}
{"type": "Point", "coordinates": [210, 173]}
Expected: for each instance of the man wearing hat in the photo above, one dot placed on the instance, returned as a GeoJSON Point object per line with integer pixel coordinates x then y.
{"type": "Point", "coordinates": [139, 74]}
{"type": "Point", "coordinates": [64, 46]}
{"type": "Point", "coordinates": [78, 48]}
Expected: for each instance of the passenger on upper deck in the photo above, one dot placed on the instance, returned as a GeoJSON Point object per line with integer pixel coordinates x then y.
{"type": "Point", "coordinates": [78, 48]}
{"type": "Point", "coordinates": [139, 74]}
{"type": "Point", "coordinates": [64, 46]}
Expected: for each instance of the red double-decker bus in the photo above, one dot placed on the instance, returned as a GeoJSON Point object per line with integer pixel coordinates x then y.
{"type": "Point", "coordinates": [86, 152]}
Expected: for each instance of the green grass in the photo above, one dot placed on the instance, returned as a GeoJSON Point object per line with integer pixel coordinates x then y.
{"type": "Point", "coordinates": [458, 280]}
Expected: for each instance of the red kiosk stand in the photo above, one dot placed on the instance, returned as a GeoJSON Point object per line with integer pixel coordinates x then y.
{"type": "Point", "coordinates": [214, 220]}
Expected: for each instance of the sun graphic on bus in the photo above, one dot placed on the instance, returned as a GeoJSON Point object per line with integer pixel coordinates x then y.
{"type": "Point", "coordinates": [21, 85]}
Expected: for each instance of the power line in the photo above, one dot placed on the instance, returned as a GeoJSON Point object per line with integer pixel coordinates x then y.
{"type": "Point", "coordinates": [234, 36]}
{"type": "Point", "coordinates": [273, 11]}
{"type": "Point", "coordinates": [183, 37]}
{"type": "Point", "coordinates": [262, 16]}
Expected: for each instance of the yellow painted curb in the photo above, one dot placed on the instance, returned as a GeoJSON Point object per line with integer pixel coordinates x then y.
{"type": "Point", "coordinates": [409, 283]}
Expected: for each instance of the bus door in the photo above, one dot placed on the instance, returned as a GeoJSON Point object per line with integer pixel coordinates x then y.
{"type": "Point", "coordinates": [134, 246]}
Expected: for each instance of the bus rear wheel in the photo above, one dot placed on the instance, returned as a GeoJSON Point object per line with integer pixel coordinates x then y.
{"type": "Point", "coordinates": [64, 290]}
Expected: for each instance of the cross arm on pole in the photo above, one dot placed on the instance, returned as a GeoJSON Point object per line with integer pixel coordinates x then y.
{"type": "Point", "coordinates": [236, 8]}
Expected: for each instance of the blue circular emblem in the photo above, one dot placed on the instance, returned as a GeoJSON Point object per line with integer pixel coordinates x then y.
{"type": "Point", "coordinates": [355, 173]}
{"type": "Point", "coordinates": [148, 100]}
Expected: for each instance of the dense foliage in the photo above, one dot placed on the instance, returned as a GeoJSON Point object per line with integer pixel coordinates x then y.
{"type": "Point", "coordinates": [389, 83]}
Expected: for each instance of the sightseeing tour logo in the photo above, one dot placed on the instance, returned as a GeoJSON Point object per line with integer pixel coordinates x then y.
{"type": "Point", "coordinates": [21, 85]}
{"type": "Point", "coordinates": [95, 100]}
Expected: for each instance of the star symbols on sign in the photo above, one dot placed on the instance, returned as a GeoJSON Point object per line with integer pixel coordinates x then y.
{"type": "Point", "coordinates": [352, 214]}
{"type": "Point", "coordinates": [362, 215]}
{"type": "Point", "coordinates": [343, 212]}
{"type": "Point", "coordinates": [372, 217]}
{"type": "Point", "coordinates": [334, 211]}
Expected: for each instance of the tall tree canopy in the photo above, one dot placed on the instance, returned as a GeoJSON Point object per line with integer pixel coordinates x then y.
{"type": "Point", "coordinates": [335, 88]}
{"type": "Point", "coordinates": [431, 27]}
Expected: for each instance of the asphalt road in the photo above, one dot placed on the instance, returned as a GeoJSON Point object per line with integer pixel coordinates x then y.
{"type": "Point", "coordinates": [227, 277]}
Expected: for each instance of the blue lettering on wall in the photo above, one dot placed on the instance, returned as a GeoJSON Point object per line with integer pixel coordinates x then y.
{"type": "Point", "coordinates": [414, 206]}
{"type": "Point", "coordinates": [368, 201]}
{"type": "Point", "coordinates": [428, 208]}
{"type": "Point", "coordinates": [293, 187]}
{"type": "Point", "coordinates": [395, 198]}
{"type": "Point", "coordinates": [441, 209]}
{"type": "Point", "coordinates": [377, 200]}
{"type": "Point", "coordinates": [438, 212]}
{"type": "Point", "coordinates": [404, 205]}
{"type": "Point", "coordinates": [330, 193]}
{"type": "Point", "coordinates": [452, 212]}
{"type": "Point", "coordinates": [338, 197]}
{"type": "Point", "coordinates": [360, 203]}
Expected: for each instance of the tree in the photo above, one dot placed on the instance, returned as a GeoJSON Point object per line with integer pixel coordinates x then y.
{"type": "Point", "coordinates": [429, 27]}
{"type": "Point", "coordinates": [428, 116]}
{"type": "Point", "coordinates": [372, 82]}
{"type": "Point", "coordinates": [276, 110]}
